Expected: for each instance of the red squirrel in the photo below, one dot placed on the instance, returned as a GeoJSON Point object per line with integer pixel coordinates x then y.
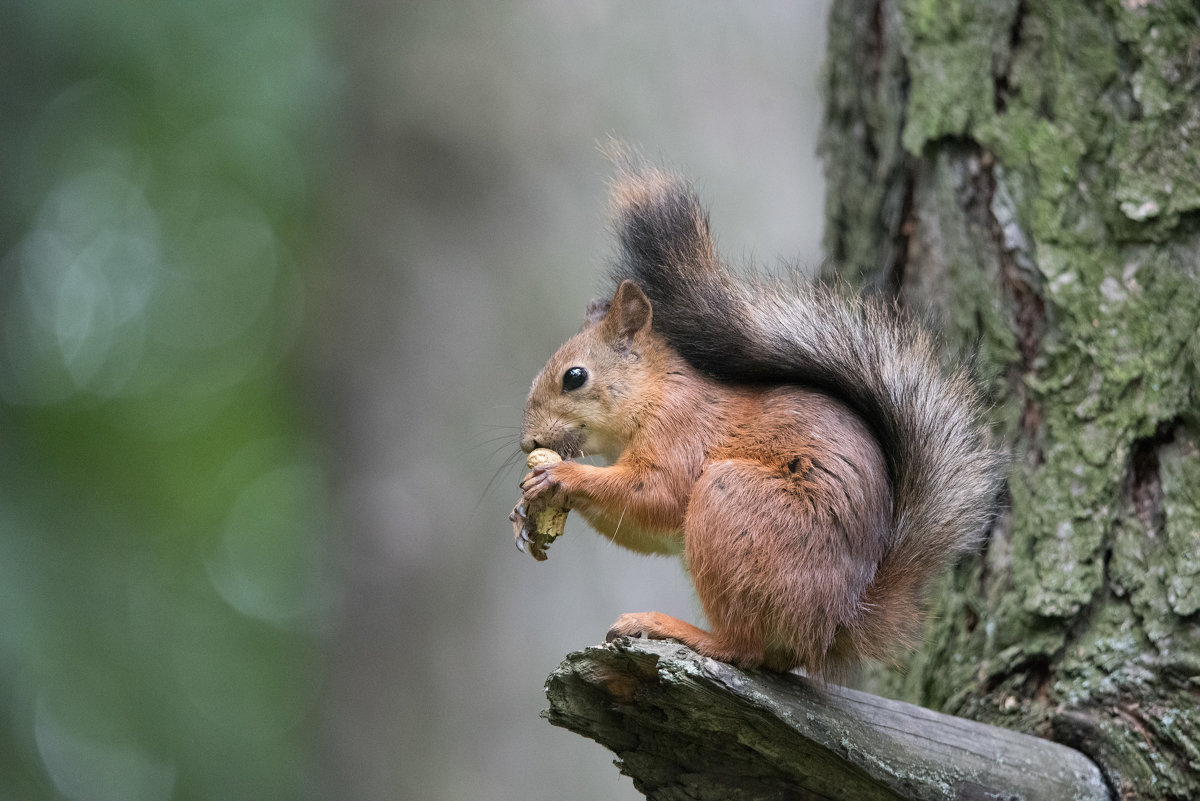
{"type": "Point", "coordinates": [802, 450]}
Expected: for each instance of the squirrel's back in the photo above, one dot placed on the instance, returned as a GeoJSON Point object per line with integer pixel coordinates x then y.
{"type": "Point", "coordinates": [945, 474]}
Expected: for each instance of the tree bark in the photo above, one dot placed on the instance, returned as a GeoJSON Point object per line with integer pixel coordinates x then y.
{"type": "Point", "coordinates": [1026, 175]}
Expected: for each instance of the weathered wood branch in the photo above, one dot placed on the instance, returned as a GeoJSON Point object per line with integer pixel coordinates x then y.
{"type": "Point", "coordinates": [687, 727]}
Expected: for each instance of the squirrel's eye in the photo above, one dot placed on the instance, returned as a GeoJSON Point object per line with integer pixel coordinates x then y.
{"type": "Point", "coordinates": [574, 378]}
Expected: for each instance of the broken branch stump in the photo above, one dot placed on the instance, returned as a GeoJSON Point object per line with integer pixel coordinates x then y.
{"type": "Point", "coordinates": [687, 727]}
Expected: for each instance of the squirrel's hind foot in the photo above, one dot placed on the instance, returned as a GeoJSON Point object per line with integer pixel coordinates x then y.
{"type": "Point", "coordinates": [657, 626]}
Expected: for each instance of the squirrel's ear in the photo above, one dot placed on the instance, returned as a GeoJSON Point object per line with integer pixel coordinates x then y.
{"type": "Point", "coordinates": [596, 311]}
{"type": "Point", "coordinates": [628, 313]}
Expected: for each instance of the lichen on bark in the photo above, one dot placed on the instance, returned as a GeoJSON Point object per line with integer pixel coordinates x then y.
{"type": "Point", "coordinates": [1048, 154]}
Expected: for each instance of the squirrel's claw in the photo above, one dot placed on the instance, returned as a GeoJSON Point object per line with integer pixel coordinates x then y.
{"type": "Point", "coordinates": [521, 532]}
{"type": "Point", "coordinates": [522, 539]}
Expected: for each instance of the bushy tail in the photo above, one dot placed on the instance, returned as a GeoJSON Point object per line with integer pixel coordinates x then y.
{"type": "Point", "coordinates": [945, 474]}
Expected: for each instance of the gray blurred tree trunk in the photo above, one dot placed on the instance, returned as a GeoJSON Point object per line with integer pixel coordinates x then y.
{"type": "Point", "coordinates": [1026, 173]}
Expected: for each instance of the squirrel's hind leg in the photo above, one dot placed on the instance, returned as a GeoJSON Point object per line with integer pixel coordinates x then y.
{"type": "Point", "coordinates": [768, 558]}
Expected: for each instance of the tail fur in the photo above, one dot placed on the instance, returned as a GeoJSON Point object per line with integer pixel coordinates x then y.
{"type": "Point", "coordinates": [945, 473]}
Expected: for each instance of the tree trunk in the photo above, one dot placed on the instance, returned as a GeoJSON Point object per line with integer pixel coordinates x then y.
{"type": "Point", "coordinates": [1026, 174]}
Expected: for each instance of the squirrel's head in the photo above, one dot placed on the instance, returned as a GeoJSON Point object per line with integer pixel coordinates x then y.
{"type": "Point", "coordinates": [586, 399]}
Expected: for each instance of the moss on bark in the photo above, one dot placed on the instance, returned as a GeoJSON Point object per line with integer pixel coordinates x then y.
{"type": "Point", "coordinates": [1046, 157]}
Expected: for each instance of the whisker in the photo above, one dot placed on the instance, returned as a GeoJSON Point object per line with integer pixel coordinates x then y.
{"type": "Point", "coordinates": [507, 432]}
{"type": "Point", "coordinates": [620, 520]}
{"type": "Point", "coordinates": [497, 445]}
{"type": "Point", "coordinates": [498, 449]}
{"type": "Point", "coordinates": [504, 468]}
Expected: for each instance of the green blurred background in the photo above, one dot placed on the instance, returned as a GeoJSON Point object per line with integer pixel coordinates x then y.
{"type": "Point", "coordinates": [274, 277]}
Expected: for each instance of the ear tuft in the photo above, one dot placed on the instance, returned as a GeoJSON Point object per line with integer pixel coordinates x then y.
{"type": "Point", "coordinates": [596, 311]}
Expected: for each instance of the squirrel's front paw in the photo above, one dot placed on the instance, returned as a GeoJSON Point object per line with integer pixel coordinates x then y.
{"type": "Point", "coordinates": [547, 480]}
